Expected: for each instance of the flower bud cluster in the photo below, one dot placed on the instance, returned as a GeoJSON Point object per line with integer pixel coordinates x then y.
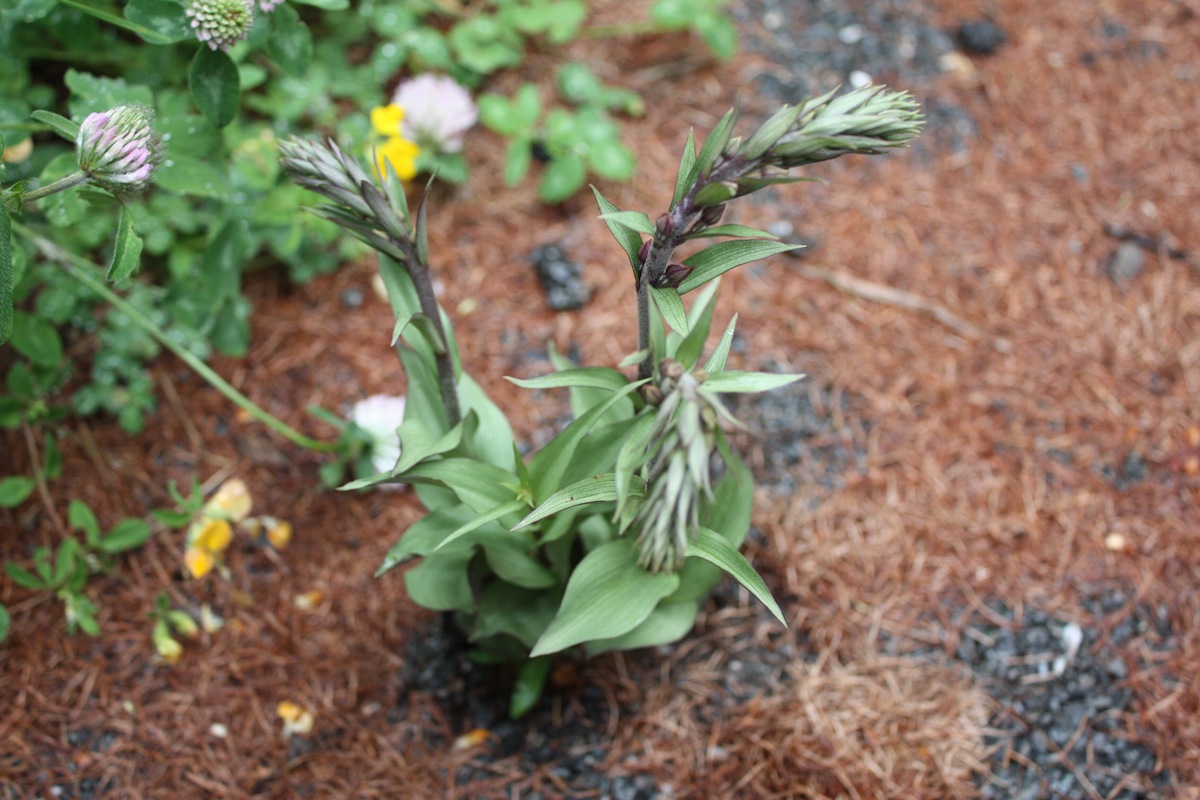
{"type": "Point", "coordinates": [680, 479]}
{"type": "Point", "coordinates": [118, 149]}
{"type": "Point", "coordinates": [220, 24]}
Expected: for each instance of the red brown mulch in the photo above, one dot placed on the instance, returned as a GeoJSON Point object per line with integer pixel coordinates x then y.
{"type": "Point", "coordinates": [966, 494]}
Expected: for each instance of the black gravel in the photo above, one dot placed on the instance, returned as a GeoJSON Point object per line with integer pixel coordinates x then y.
{"type": "Point", "coordinates": [1063, 719]}
{"type": "Point", "coordinates": [560, 277]}
{"type": "Point", "coordinates": [981, 36]}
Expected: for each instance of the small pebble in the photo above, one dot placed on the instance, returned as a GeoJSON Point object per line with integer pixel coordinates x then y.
{"type": "Point", "coordinates": [852, 34]}
{"type": "Point", "coordinates": [981, 36]}
{"type": "Point", "coordinates": [1125, 263]}
{"type": "Point", "coordinates": [218, 730]}
{"type": "Point", "coordinates": [352, 297]}
{"type": "Point", "coordinates": [859, 79]}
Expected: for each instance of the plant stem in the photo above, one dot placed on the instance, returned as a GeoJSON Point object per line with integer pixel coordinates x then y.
{"type": "Point", "coordinates": [39, 476]}
{"type": "Point", "coordinates": [51, 188]}
{"type": "Point", "coordinates": [423, 282]}
{"type": "Point", "coordinates": [82, 270]}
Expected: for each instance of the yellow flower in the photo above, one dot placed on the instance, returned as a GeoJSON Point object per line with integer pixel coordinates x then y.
{"type": "Point", "coordinates": [296, 718]}
{"type": "Point", "coordinates": [279, 532]}
{"type": "Point", "coordinates": [199, 561]}
{"type": "Point", "coordinates": [211, 534]}
{"type": "Point", "coordinates": [400, 154]}
{"type": "Point", "coordinates": [386, 120]}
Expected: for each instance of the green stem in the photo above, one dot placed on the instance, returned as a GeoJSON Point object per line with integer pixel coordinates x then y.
{"type": "Point", "coordinates": [83, 271]}
{"type": "Point", "coordinates": [106, 15]}
{"type": "Point", "coordinates": [52, 188]}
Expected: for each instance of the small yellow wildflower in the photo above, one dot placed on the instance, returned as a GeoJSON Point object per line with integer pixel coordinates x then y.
{"type": "Point", "coordinates": [212, 534]}
{"type": "Point", "coordinates": [296, 719]}
{"type": "Point", "coordinates": [386, 120]}
{"type": "Point", "coordinates": [400, 155]}
{"type": "Point", "coordinates": [279, 532]}
{"type": "Point", "coordinates": [199, 561]}
{"type": "Point", "coordinates": [232, 501]}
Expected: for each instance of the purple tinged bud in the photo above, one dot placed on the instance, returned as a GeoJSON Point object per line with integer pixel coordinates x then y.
{"type": "Point", "coordinates": [675, 275]}
{"type": "Point", "coordinates": [712, 214]}
{"type": "Point", "coordinates": [665, 223]}
{"type": "Point", "coordinates": [644, 252]}
{"type": "Point", "coordinates": [118, 149]}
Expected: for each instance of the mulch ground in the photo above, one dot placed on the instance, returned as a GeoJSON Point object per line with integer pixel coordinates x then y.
{"type": "Point", "coordinates": [1038, 445]}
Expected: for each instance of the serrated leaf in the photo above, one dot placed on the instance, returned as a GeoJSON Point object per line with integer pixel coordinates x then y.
{"type": "Point", "coordinates": [634, 220]}
{"type": "Point", "coordinates": [127, 249]}
{"type": "Point", "coordinates": [670, 304]}
{"type": "Point", "coordinates": [716, 359]}
{"type": "Point", "coordinates": [596, 489]}
{"type": "Point", "coordinates": [630, 242]}
{"type": "Point", "coordinates": [716, 549]}
{"type": "Point", "coordinates": [735, 381]}
{"type": "Point", "coordinates": [607, 596]}
{"type": "Point", "coordinates": [64, 127]}
{"type": "Point", "coordinates": [721, 257]}
{"type": "Point", "coordinates": [583, 377]}
{"type": "Point", "coordinates": [214, 84]}
{"type": "Point", "coordinates": [687, 169]}
{"type": "Point", "coordinates": [15, 489]}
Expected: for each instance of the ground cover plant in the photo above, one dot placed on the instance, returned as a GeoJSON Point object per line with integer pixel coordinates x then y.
{"type": "Point", "coordinates": [995, 446]}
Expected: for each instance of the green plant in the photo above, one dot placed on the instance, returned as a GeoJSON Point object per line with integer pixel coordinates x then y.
{"type": "Point", "coordinates": [612, 534]}
{"type": "Point", "coordinates": [66, 569]}
{"type": "Point", "coordinates": [572, 142]}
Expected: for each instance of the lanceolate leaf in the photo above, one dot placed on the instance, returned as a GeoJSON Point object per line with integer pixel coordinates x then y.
{"type": "Point", "coordinates": [719, 258]}
{"type": "Point", "coordinates": [715, 143]}
{"type": "Point", "coordinates": [127, 250]}
{"type": "Point", "coordinates": [687, 168]}
{"type": "Point", "coordinates": [608, 595]}
{"type": "Point", "coordinates": [64, 127]}
{"type": "Point", "coordinates": [584, 377]}
{"type": "Point", "coordinates": [417, 444]}
{"type": "Point", "coordinates": [634, 220]}
{"type": "Point", "coordinates": [502, 510]}
{"type": "Point", "coordinates": [531, 679]}
{"type": "Point", "coordinates": [716, 359]}
{"type": "Point", "coordinates": [668, 622]}
{"type": "Point", "coordinates": [596, 489]}
{"type": "Point", "coordinates": [628, 239]}
{"type": "Point", "coordinates": [741, 231]}
{"type": "Point", "coordinates": [736, 381]}
{"type": "Point", "coordinates": [671, 306]}
{"type": "Point", "coordinates": [481, 486]}
{"type": "Point", "coordinates": [716, 549]}
{"type": "Point", "coordinates": [440, 582]}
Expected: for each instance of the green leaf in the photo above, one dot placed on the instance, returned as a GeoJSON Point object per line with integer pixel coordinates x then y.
{"type": "Point", "coordinates": [631, 457]}
{"type": "Point", "coordinates": [700, 319]}
{"type": "Point", "coordinates": [512, 562]}
{"type": "Point", "coordinates": [630, 242]}
{"type": "Point", "coordinates": [24, 578]}
{"type": "Point", "coordinates": [517, 162]}
{"type": "Point", "coordinates": [164, 18]}
{"type": "Point", "coordinates": [417, 444]}
{"type": "Point", "coordinates": [608, 595]}
{"type": "Point", "coordinates": [290, 44]}
{"type": "Point", "coordinates": [743, 231]}
{"type": "Point", "coordinates": [612, 160]}
{"type": "Point", "coordinates": [441, 583]}
{"type": "Point", "coordinates": [634, 220]}
{"type": "Point", "coordinates": [716, 359]}
{"type": "Point", "coordinates": [213, 81]}
{"type": "Point", "coordinates": [508, 609]}
{"type": "Point", "coordinates": [583, 377]}
{"type": "Point", "coordinates": [15, 489]}
{"type": "Point", "coordinates": [81, 518]}
{"type": "Point", "coordinates": [769, 132]}
{"type": "Point", "coordinates": [36, 339]}
{"type": "Point", "coordinates": [583, 397]}
{"type": "Point", "coordinates": [99, 12]}
{"type": "Point", "coordinates": [127, 250]}
{"type": "Point", "coordinates": [715, 143]}
{"type": "Point", "coordinates": [185, 174]}
{"type": "Point", "coordinates": [6, 275]}
{"type": "Point", "coordinates": [716, 549]}
{"type": "Point", "coordinates": [422, 537]}
{"type": "Point", "coordinates": [64, 127]}
{"type": "Point", "coordinates": [714, 194]}
{"type": "Point", "coordinates": [481, 486]}
{"type": "Point", "coordinates": [668, 622]}
{"type": "Point", "coordinates": [719, 258]}
{"type": "Point", "coordinates": [64, 563]}
{"type": "Point", "coordinates": [596, 489]}
{"type": "Point", "coordinates": [551, 462]}
{"type": "Point", "coordinates": [671, 305]}
{"type": "Point", "coordinates": [561, 178]}
{"type": "Point", "coordinates": [499, 512]}
{"type": "Point", "coordinates": [687, 168]}
{"type": "Point", "coordinates": [741, 382]}
{"type": "Point", "coordinates": [328, 5]}
{"type": "Point", "coordinates": [6, 626]}
{"type": "Point", "coordinates": [531, 681]}
{"type": "Point", "coordinates": [492, 441]}
{"type": "Point", "coordinates": [125, 535]}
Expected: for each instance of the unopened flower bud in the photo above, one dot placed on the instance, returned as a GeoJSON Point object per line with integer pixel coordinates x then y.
{"type": "Point", "coordinates": [221, 23]}
{"type": "Point", "coordinates": [118, 149]}
{"type": "Point", "coordinates": [644, 252]}
{"type": "Point", "coordinates": [652, 394]}
{"type": "Point", "coordinates": [665, 223]}
{"type": "Point", "coordinates": [670, 368]}
{"type": "Point", "coordinates": [674, 275]}
{"type": "Point", "coordinates": [712, 214]}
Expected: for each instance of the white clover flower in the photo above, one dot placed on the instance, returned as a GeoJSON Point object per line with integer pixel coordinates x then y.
{"type": "Point", "coordinates": [118, 149]}
{"type": "Point", "coordinates": [221, 23]}
{"type": "Point", "coordinates": [437, 112]}
{"type": "Point", "coordinates": [380, 415]}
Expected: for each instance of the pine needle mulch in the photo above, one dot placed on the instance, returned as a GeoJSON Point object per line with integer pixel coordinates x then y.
{"type": "Point", "coordinates": [986, 471]}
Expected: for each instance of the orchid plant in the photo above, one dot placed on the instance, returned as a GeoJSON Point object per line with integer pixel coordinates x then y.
{"type": "Point", "coordinates": [611, 535]}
